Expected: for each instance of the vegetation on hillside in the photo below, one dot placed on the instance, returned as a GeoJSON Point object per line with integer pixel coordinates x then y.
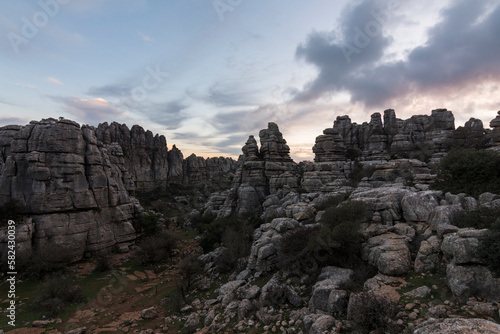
{"type": "Point", "coordinates": [469, 171]}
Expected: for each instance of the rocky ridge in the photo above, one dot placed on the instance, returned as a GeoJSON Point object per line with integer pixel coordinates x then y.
{"type": "Point", "coordinates": [75, 184]}
{"type": "Point", "coordinates": [407, 228]}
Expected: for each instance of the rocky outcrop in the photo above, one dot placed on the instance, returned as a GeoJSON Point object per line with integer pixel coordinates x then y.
{"type": "Point", "coordinates": [262, 173]}
{"type": "Point", "coordinates": [457, 326]}
{"type": "Point", "coordinates": [199, 169]}
{"type": "Point", "coordinates": [495, 125]}
{"type": "Point", "coordinates": [76, 184]}
{"type": "Point", "coordinates": [145, 155]}
{"type": "Point", "coordinates": [418, 136]}
{"type": "Point", "coordinates": [75, 189]}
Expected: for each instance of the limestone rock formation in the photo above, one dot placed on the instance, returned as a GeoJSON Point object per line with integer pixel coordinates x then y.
{"type": "Point", "coordinates": [75, 190]}
{"type": "Point", "coordinates": [145, 155]}
{"type": "Point", "coordinates": [419, 135]}
{"type": "Point", "coordinates": [495, 125]}
{"type": "Point", "coordinates": [263, 172]}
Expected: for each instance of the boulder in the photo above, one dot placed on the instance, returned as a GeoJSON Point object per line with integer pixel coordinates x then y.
{"type": "Point", "coordinates": [389, 253]}
{"type": "Point", "coordinates": [457, 326]}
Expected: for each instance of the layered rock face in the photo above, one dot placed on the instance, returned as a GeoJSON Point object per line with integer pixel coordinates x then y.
{"type": "Point", "coordinates": [495, 125]}
{"type": "Point", "coordinates": [394, 137]}
{"type": "Point", "coordinates": [75, 184]}
{"type": "Point", "coordinates": [196, 169]}
{"type": "Point", "coordinates": [266, 171]}
{"type": "Point", "coordinates": [145, 155]}
{"type": "Point", "coordinates": [75, 190]}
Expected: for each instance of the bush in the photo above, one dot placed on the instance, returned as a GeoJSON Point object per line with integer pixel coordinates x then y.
{"type": "Point", "coordinates": [103, 262]}
{"type": "Point", "coordinates": [190, 266]}
{"type": "Point", "coordinates": [359, 172]}
{"type": "Point", "coordinates": [234, 234]}
{"type": "Point", "coordinates": [331, 201]}
{"type": "Point", "coordinates": [56, 294]}
{"type": "Point", "coordinates": [341, 235]}
{"type": "Point", "coordinates": [374, 313]}
{"type": "Point", "coordinates": [294, 248]}
{"type": "Point", "coordinates": [147, 225]}
{"type": "Point", "coordinates": [469, 171]}
{"type": "Point", "coordinates": [489, 248]}
{"type": "Point", "coordinates": [156, 248]}
{"type": "Point", "coordinates": [482, 218]}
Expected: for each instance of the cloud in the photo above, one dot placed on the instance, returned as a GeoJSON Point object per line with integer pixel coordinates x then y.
{"type": "Point", "coordinates": [169, 114]}
{"type": "Point", "coordinates": [114, 90]}
{"type": "Point", "coordinates": [13, 120]}
{"type": "Point", "coordinates": [461, 49]}
{"type": "Point", "coordinates": [26, 85]}
{"type": "Point", "coordinates": [91, 111]}
{"type": "Point", "coordinates": [54, 81]}
{"type": "Point", "coordinates": [145, 38]}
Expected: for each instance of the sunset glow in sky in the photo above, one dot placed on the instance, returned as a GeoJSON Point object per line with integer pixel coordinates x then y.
{"type": "Point", "coordinates": [209, 73]}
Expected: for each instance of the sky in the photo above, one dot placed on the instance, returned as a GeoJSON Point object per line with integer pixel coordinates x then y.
{"type": "Point", "coordinates": [209, 73]}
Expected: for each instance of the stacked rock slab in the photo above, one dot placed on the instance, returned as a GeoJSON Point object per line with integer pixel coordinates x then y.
{"type": "Point", "coordinates": [397, 138]}
{"type": "Point", "coordinates": [262, 173]}
{"type": "Point", "coordinates": [495, 125]}
{"type": "Point", "coordinates": [75, 190]}
{"type": "Point", "coordinates": [145, 155]}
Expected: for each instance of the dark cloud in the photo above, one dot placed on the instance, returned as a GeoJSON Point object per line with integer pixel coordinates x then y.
{"type": "Point", "coordinates": [236, 140]}
{"type": "Point", "coordinates": [231, 94]}
{"type": "Point", "coordinates": [461, 49]}
{"type": "Point", "coordinates": [169, 114]}
{"type": "Point", "coordinates": [114, 90]}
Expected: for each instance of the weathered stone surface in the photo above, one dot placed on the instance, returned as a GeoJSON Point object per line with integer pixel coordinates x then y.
{"type": "Point", "coordinates": [457, 326]}
{"type": "Point", "coordinates": [145, 156]}
{"type": "Point", "coordinates": [495, 125]}
{"type": "Point", "coordinates": [417, 207]}
{"type": "Point", "coordinates": [462, 248]}
{"type": "Point", "coordinates": [265, 246]}
{"type": "Point", "coordinates": [76, 191]}
{"type": "Point", "coordinates": [472, 280]}
{"type": "Point", "coordinates": [428, 256]}
{"type": "Point", "coordinates": [329, 293]}
{"type": "Point", "coordinates": [419, 136]}
{"type": "Point", "coordinates": [389, 253]}
{"type": "Point", "coordinates": [269, 171]}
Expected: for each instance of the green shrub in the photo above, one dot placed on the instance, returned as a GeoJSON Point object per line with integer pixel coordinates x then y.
{"type": "Point", "coordinates": [56, 294]}
{"type": "Point", "coordinates": [482, 218]}
{"type": "Point", "coordinates": [345, 212]}
{"type": "Point", "coordinates": [489, 248]}
{"type": "Point", "coordinates": [294, 250]}
{"type": "Point", "coordinates": [103, 262]}
{"type": "Point", "coordinates": [190, 266]}
{"type": "Point", "coordinates": [469, 171]}
{"type": "Point", "coordinates": [147, 225]}
{"type": "Point", "coordinates": [358, 172]}
{"type": "Point", "coordinates": [332, 201]}
{"type": "Point", "coordinates": [375, 314]}
{"type": "Point", "coordinates": [234, 234]}
{"type": "Point", "coordinates": [157, 248]}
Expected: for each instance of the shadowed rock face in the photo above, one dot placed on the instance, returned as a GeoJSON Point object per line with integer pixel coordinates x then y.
{"type": "Point", "coordinates": [76, 184]}
{"type": "Point", "coordinates": [75, 190]}
{"type": "Point", "coordinates": [145, 155]}
{"type": "Point", "coordinates": [397, 138]}
{"type": "Point", "coordinates": [263, 172]}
